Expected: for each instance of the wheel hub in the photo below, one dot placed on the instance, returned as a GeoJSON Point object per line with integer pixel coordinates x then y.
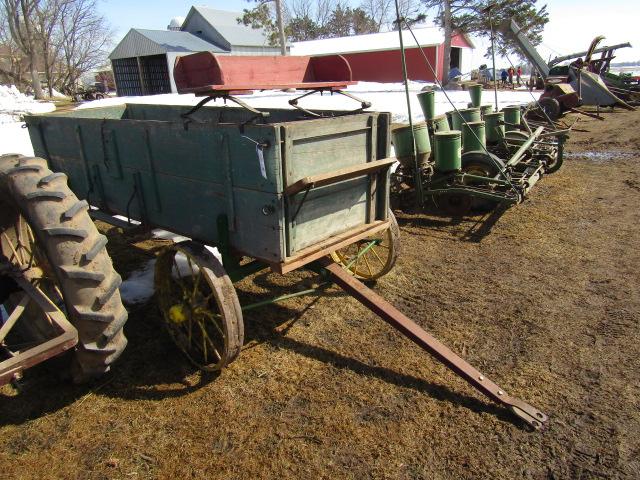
{"type": "Point", "coordinates": [178, 313]}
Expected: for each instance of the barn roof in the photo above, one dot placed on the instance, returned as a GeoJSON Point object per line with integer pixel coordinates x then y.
{"type": "Point", "coordinates": [139, 42]}
{"type": "Point", "coordinates": [226, 23]}
{"type": "Point", "coordinates": [426, 36]}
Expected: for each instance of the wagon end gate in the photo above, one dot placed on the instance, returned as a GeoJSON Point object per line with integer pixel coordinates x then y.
{"type": "Point", "coordinates": [387, 312]}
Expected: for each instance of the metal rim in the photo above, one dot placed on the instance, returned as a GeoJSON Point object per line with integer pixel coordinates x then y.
{"type": "Point", "coordinates": [199, 305]}
{"type": "Point", "coordinates": [20, 249]}
{"type": "Point", "coordinates": [372, 257]}
{"type": "Point", "coordinates": [552, 163]}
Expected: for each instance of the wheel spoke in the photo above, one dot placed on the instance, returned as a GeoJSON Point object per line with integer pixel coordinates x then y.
{"type": "Point", "coordinates": [196, 283]}
{"type": "Point", "coordinates": [204, 343]}
{"type": "Point", "coordinates": [20, 246]}
{"type": "Point", "coordinates": [178, 280]}
{"type": "Point", "coordinates": [190, 265]}
{"type": "Point", "coordinates": [367, 264]}
{"type": "Point", "coordinates": [205, 338]}
{"type": "Point", "coordinates": [373, 250]}
{"type": "Point", "coordinates": [212, 316]}
{"type": "Point", "coordinates": [13, 250]}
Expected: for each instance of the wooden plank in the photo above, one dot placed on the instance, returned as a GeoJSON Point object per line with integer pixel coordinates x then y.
{"type": "Point", "coordinates": [371, 152]}
{"type": "Point", "coordinates": [323, 179]}
{"type": "Point", "coordinates": [322, 127]}
{"type": "Point", "coordinates": [248, 87]}
{"type": "Point", "coordinates": [330, 245]}
{"type": "Point", "coordinates": [205, 72]}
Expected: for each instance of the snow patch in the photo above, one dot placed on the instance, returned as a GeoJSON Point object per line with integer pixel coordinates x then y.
{"type": "Point", "coordinates": [14, 104]}
{"type": "Point", "coordinates": [139, 287]}
{"type": "Point", "coordinates": [384, 97]}
{"type": "Point", "coordinates": [14, 138]}
{"type": "Point", "coordinates": [57, 94]}
{"type": "Point", "coordinates": [165, 235]}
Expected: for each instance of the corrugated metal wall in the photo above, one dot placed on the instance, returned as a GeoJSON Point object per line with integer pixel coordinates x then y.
{"type": "Point", "coordinates": [127, 76]}
{"type": "Point", "coordinates": [152, 80]}
{"type": "Point", "coordinates": [155, 75]}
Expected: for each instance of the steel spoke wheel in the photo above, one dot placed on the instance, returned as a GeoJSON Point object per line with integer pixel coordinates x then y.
{"type": "Point", "coordinates": [374, 256]}
{"type": "Point", "coordinates": [199, 305]}
{"type": "Point", "coordinates": [23, 252]}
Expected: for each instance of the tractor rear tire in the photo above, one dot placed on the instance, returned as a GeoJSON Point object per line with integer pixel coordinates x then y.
{"type": "Point", "coordinates": [36, 204]}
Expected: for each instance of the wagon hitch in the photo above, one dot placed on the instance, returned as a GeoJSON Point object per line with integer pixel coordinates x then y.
{"type": "Point", "coordinates": [374, 302]}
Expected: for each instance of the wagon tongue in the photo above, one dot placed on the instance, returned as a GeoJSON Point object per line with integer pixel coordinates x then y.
{"type": "Point", "coordinates": [531, 415]}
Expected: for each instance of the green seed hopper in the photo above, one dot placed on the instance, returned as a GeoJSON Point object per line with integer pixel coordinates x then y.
{"type": "Point", "coordinates": [480, 159]}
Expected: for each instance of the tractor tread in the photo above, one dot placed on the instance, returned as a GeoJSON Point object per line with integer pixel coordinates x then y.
{"type": "Point", "coordinates": [111, 289]}
{"type": "Point", "coordinates": [96, 248]}
{"type": "Point", "coordinates": [46, 180]}
{"type": "Point", "coordinates": [51, 194]}
{"type": "Point", "coordinates": [65, 231]}
{"type": "Point", "coordinates": [24, 168]}
{"type": "Point", "coordinates": [79, 273]}
{"type": "Point", "coordinates": [77, 207]}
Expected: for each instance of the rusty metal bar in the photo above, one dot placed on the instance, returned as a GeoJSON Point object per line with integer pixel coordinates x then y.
{"type": "Point", "coordinates": [374, 302]}
{"type": "Point", "coordinates": [524, 147]}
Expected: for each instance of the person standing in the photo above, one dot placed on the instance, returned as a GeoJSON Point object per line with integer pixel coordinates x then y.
{"type": "Point", "coordinates": [510, 73]}
{"type": "Point", "coordinates": [503, 76]}
{"type": "Point", "coordinates": [518, 74]}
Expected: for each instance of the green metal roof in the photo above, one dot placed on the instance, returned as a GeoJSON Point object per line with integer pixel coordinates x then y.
{"type": "Point", "coordinates": [139, 42]}
{"type": "Point", "coordinates": [227, 25]}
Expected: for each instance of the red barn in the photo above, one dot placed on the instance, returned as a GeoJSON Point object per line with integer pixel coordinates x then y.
{"type": "Point", "coordinates": [376, 57]}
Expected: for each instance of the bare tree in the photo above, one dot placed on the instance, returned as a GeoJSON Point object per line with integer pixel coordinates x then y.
{"type": "Point", "coordinates": [67, 37]}
{"type": "Point", "coordinates": [323, 12]}
{"type": "Point", "coordinates": [20, 16]}
{"type": "Point", "coordinates": [298, 9]}
{"type": "Point", "coordinates": [12, 65]}
{"type": "Point", "coordinates": [48, 19]}
{"type": "Point", "coordinates": [383, 12]}
{"type": "Point", "coordinates": [85, 39]}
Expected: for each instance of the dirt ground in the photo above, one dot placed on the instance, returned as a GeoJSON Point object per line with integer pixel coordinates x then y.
{"type": "Point", "coordinates": [545, 299]}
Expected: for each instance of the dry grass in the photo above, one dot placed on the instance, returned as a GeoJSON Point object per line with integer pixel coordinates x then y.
{"type": "Point", "coordinates": [545, 299]}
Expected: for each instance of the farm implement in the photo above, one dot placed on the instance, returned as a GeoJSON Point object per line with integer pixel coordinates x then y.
{"type": "Point", "coordinates": [473, 158]}
{"type": "Point", "coordinates": [277, 189]}
{"type": "Point", "coordinates": [573, 86]}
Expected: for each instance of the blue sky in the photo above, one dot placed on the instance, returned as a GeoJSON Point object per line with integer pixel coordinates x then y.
{"type": "Point", "coordinates": [573, 23]}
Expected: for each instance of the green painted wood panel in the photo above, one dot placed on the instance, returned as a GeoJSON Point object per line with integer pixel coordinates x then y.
{"type": "Point", "coordinates": [181, 175]}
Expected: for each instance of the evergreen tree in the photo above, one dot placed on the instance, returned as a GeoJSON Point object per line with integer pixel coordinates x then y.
{"type": "Point", "coordinates": [301, 29]}
{"type": "Point", "coordinates": [472, 16]}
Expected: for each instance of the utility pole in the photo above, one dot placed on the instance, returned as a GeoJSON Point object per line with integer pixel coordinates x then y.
{"type": "Point", "coordinates": [283, 45]}
{"type": "Point", "coordinates": [493, 55]}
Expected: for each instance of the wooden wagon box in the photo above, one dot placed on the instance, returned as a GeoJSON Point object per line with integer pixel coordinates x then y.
{"type": "Point", "coordinates": [292, 188]}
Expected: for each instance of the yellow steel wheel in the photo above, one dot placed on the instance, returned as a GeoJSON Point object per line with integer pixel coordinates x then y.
{"type": "Point", "coordinates": [374, 256]}
{"type": "Point", "coordinates": [199, 305]}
